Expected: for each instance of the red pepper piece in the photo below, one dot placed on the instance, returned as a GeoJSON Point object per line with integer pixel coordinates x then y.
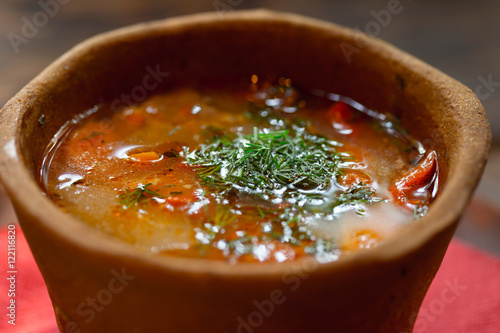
{"type": "Point", "coordinates": [414, 178]}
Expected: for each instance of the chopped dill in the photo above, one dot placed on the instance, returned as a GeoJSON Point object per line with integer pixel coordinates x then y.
{"type": "Point", "coordinates": [223, 217]}
{"type": "Point", "coordinates": [93, 134]}
{"type": "Point", "coordinates": [284, 227]}
{"type": "Point", "coordinates": [208, 231]}
{"type": "Point", "coordinates": [291, 174]}
{"type": "Point", "coordinates": [290, 165]}
{"type": "Point", "coordinates": [267, 163]}
{"type": "Point", "coordinates": [356, 194]}
{"type": "Point", "coordinates": [419, 211]}
{"type": "Point", "coordinates": [138, 196]}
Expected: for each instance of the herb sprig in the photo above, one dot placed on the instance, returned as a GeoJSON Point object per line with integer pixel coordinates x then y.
{"type": "Point", "coordinates": [137, 197]}
{"type": "Point", "coordinates": [356, 195]}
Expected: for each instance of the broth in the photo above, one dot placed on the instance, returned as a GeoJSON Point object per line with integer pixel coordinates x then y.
{"type": "Point", "coordinates": [265, 173]}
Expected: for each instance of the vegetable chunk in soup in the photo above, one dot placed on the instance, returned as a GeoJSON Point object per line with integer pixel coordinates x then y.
{"type": "Point", "coordinates": [266, 173]}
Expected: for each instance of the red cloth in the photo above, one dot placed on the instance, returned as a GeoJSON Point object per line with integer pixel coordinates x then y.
{"type": "Point", "coordinates": [464, 297]}
{"type": "Point", "coordinates": [34, 312]}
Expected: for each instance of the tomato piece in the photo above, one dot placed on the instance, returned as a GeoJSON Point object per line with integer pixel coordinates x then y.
{"type": "Point", "coordinates": [341, 113]}
{"type": "Point", "coordinates": [414, 178]}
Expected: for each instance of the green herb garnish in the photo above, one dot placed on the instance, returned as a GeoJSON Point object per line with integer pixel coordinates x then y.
{"type": "Point", "coordinates": [355, 195]}
{"type": "Point", "coordinates": [283, 226]}
{"type": "Point", "coordinates": [137, 197]}
{"type": "Point", "coordinates": [93, 134]}
{"type": "Point", "coordinates": [213, 227]}
{"type": "Point", "coordinates": [419, 211]}
{"type": "Point", "coordinates": [268, 163]}
{"type": "Point", "coordinates": [291, 174]}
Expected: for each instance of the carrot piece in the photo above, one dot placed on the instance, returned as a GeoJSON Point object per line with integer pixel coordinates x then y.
{"type": "Point", "coordinates": [414, 178]}
{"type": "Point", "coordinates": [340, 112]}
{"type": "Point", "coordinates": [179, 200]}
{"type": "Point", "coordinates": [146, 157]}
{"type": "Point", "coordinates": [361, 239]}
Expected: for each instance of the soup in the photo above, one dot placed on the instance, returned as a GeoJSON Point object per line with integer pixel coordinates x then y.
{"type": "Point", "coordinates": [266, 172]}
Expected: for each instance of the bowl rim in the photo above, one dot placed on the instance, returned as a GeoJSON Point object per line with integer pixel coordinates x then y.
{"type": "Point", "coordinates": [25, 192]}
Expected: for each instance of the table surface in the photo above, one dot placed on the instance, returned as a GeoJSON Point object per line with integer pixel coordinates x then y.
{"type": "Point", "coordinates": [455, 36]}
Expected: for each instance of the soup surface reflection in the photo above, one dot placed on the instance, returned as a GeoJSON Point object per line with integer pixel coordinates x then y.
{"type": "Point", "coordinates": [267, 173]}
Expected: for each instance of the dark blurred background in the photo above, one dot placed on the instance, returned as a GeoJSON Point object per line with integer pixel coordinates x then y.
{"type": "Point", "coordinates": [459, 37]}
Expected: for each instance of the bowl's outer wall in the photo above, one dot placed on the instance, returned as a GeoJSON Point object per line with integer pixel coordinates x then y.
{"type": "Point", "coordinates": [371, 296]}
{"type": "Point", "coordinates": [374, 292]}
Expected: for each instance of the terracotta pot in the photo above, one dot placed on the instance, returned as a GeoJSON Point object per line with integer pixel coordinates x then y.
{"type": "Point", "coordinates": [100, 284]}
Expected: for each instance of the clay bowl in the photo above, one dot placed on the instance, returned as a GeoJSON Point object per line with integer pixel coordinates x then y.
{"type": "Point", "coordinates": [100, 284]}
